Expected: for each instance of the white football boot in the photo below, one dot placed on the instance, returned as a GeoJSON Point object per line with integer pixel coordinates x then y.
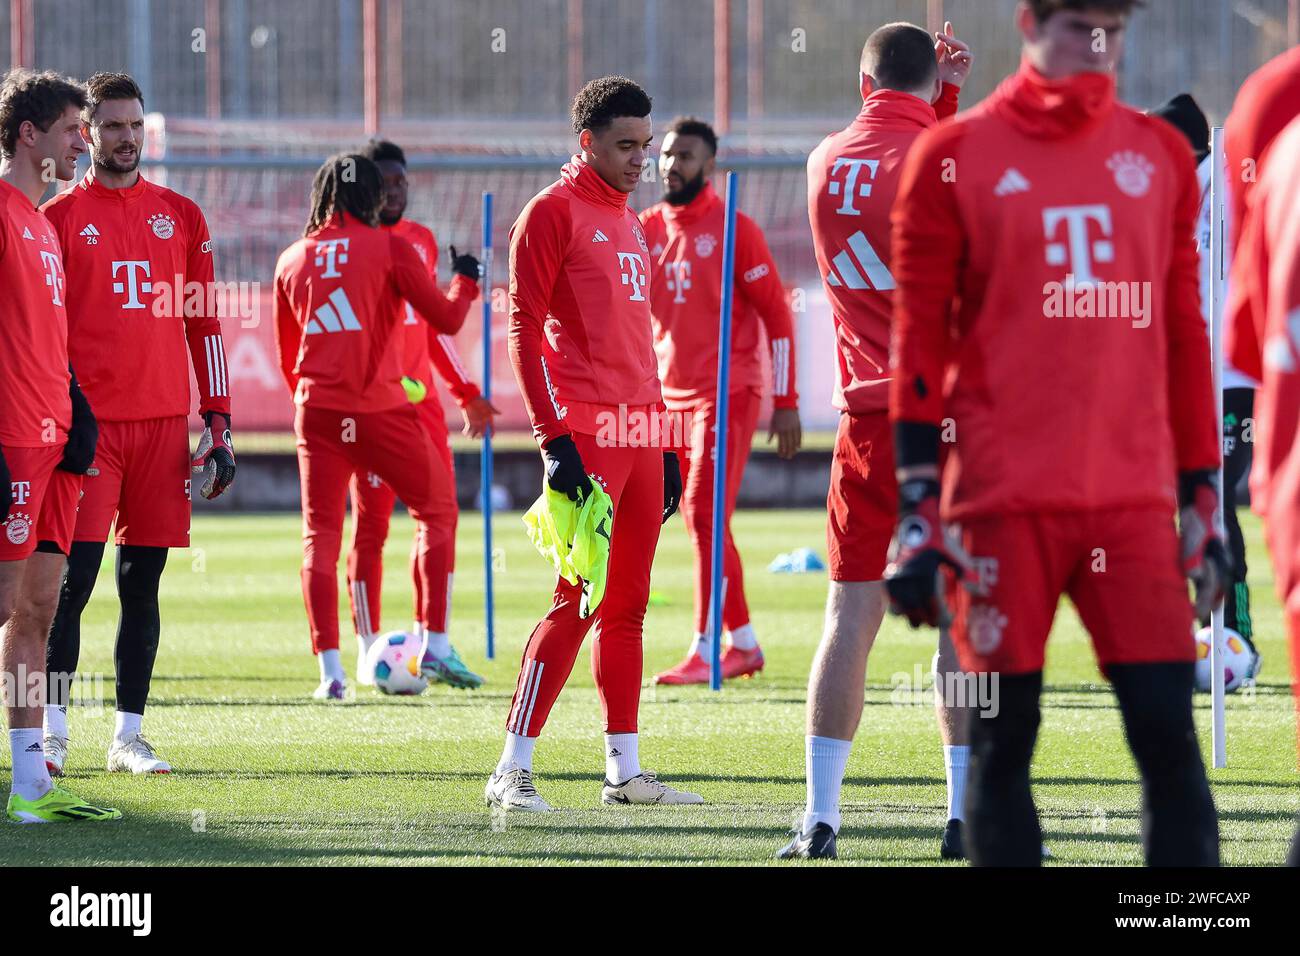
{"type": "Point", "coordinates": [56, 753]}
{"type": "Point", "coordinates": [514, 790]}
{"type": "Point", "coordinates": [330, 689]}
{"type": "Point", "coordinates": [646, 788]}
{"type": "Point", "coordinates": [135, 755]}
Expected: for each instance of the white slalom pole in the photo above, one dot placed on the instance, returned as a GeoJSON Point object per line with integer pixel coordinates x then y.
{"type": "Point", "coordinates": [1218, 278]}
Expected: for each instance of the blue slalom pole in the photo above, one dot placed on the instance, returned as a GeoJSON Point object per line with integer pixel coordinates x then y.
{"type": "Point", "coordinates": [717, 587]}
{"type": "Point", "coordinates": [485, 453]}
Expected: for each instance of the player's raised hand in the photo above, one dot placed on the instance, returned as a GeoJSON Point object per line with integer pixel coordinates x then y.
{"type": "Point", "coordinates": [478, 414]}
{"type": "Point", "coordinates": [954, 56]}
{"type": "Point", "coordinates": [464, 264]}
{"type": "Point", "coordinates": [1206, 560]}
{"type": "Point", "coordinates": [919, 553]}
{"type": "Point", "coordinates": [787, 431]}
{"type": "Point", "coordinates": [214, 459]}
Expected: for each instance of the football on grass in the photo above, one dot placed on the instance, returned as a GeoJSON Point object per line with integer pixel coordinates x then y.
{"type": "Point", "coordinates": [1236, 665]}
{"type": "Point", "coordinates": [394, 659]}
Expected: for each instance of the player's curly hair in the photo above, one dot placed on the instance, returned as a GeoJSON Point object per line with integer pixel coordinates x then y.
{"type": "Point", "coordinates": [346, 182]}
{"type": "Point", "coordinates": [378, 150]}
{"type": "Point", "coordinates": [694, 126]}
{"type": "Point", "coordinates": [39, 98]}
{"type": "Point", "coordinates": [1042, 9]}
{"type": "Point", "coordinates": [603, 100]}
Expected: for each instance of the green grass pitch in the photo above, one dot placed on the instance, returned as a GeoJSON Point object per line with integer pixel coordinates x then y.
{"type": "Point", "coordinates": [266, 775]}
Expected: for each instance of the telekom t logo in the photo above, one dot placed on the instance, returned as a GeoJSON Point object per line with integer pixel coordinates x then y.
{"type": "Point", "coordinates": [133, 285]}
{"type": "Point", "coordinates": [634, 276]}
{"type": "Point", "coordinates": [53, 275]}
{"type": "Point", "coordinates": [850, 188]}
{"type": "Point", "coordinates": [331, 254]}
{"type": "Point", "coordinates": [1077, 249]}
{"type": "Point", "coordinates": [678, 278]}
{"type": "Point", "coordinates": [20, 490]}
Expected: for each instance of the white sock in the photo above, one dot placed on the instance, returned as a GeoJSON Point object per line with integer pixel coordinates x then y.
{"type": "Point", "coordinates": [621, 760]}
{"type": "Point", "coordinates": [364, 641]}
{"type": "Point", "coordinates": [56, 720]}
{"type": "Point", "coordinates": [438, 644]}
{"type": "Point", "coordinates": [699, 647]}
{"type": "Point", "coordinates": [331, 668]}
{"type": "Point", "coordinates": [31, 778]}
{"type": "Point", "coordinates": [518, 753]}
{"type": "Point", "coordinates": [954, 765]}
{"type": "Point", "coordinates": [744, 638]}
{"type": "Point", "coordinates": [826, 757]}
{"type": "Point", "coordinates": [127, 725]}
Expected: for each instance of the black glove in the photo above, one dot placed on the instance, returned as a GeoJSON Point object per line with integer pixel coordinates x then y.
{"type": "Point", "coordinates": [6, 487]}
{"type": "Point", "coordinates": [672, 485]}
{"type": "Point", "coordinates": [918, 553]}
{"type": "Point", "coordinates": [564, 470]}
{"type": "Point", "coordinates": [83, 433]}
{"type": "Point", "coordinates": [465, 265]}
{"type": "Point", "coordinates": [214, 459]}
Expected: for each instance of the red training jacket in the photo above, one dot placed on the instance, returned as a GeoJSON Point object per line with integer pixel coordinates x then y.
{"type": "Point", "coordinates": [686, 298]}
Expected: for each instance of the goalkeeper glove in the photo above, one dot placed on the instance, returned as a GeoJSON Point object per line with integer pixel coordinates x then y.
{"type": "Point", "coordinates": [83, 433]}
{"type": "Point", "coordinates": [416, 391]}
{"type": "Point", "coordinates": [464, 265]}
{"type": "Point", "coordinates": [215, 456]}
{"type": "Point", "coordinates": [672, 485]}
{"type": "Point", "coordinates": [564, 470]}
{"type": "Point", "coordinates": [918, 555]}
{"type": "Point", "coordinates": [1206, 561]}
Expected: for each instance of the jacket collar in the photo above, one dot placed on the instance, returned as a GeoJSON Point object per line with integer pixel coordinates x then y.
{"type": "Point", "coordinates": [95, 188]}
{"type": "Point", "coordinates": [890, 109]}
{"type": "Point", "coordinates": [578, 175]}
{"type": "Point", "coordinates": [1054, 109]}
{"type": "Point", "coordinates": [705, 201]}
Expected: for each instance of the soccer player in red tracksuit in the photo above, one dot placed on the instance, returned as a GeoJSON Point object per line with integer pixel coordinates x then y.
{"type": "Point", "coordinates": [580, 343]}
{"type": "Point", "coordinates": [423, 348]}
{"type": "Point", "coordinates": [1263, 141]}
{"type": "Point", "coordinates": [338, 313]}
{"type": "Point", "coordinates": [685, 236]}
{"type": "Point", "coordinates": [140, 290]}
{"type": "Point", "coordinates": [852, 179]}
{"type": "Point", "coordinates": [1075, 369]}
{"type": "Point", "coordinates": [47, 430]}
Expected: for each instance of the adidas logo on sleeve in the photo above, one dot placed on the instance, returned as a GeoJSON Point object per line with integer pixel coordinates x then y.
{"type": "Point", "coordinates": [600, 237]}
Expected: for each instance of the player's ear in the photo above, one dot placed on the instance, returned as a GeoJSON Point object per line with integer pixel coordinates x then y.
{"type": "Point", "coordinates": [864, 84]}
{"type": "Point", "coordinates": [585, 139]}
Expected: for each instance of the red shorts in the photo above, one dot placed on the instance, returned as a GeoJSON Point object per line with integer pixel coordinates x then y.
{"type": "Point", "coordinates": [141, 477]}
{"type": "Point", "coordinates": [862, 505]}
{"type": "Point", "coordinates": [44, 506]}
{"type": "Point", "coordinates": [1120, 567]}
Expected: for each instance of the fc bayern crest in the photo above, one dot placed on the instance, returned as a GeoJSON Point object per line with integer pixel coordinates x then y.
{"type": "Point", "coordinates": [640, 238]}
{"type": "Point", "coordinates": [984, 626]}
{"type": "Point", "coordinates": [18, 528]}
{"type": "Point", "coordinates": [163, 225]}
{"type": "Point", "coordinates": [1132, 172]}
{"type": "Point", "coordinates": [705, 244]}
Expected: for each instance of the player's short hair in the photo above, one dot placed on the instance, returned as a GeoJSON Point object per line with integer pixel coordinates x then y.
{"type": "Point", "coordinates": [380, 150]}
{"type": "Point", "coordinates": [900, 56]}
{"type": "Point", "coordinates": [109, 86]}
{"type": "Point", "coordinates": [39, 98]}
{"type": "Point", "coordinates": [693, 126]}
{"type": "Point", "coordinates": [604, 100]}
{"type": "Point", "coordinates": [346, 182]}
{"type": "Point", "coordinates": [1043, 9]}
